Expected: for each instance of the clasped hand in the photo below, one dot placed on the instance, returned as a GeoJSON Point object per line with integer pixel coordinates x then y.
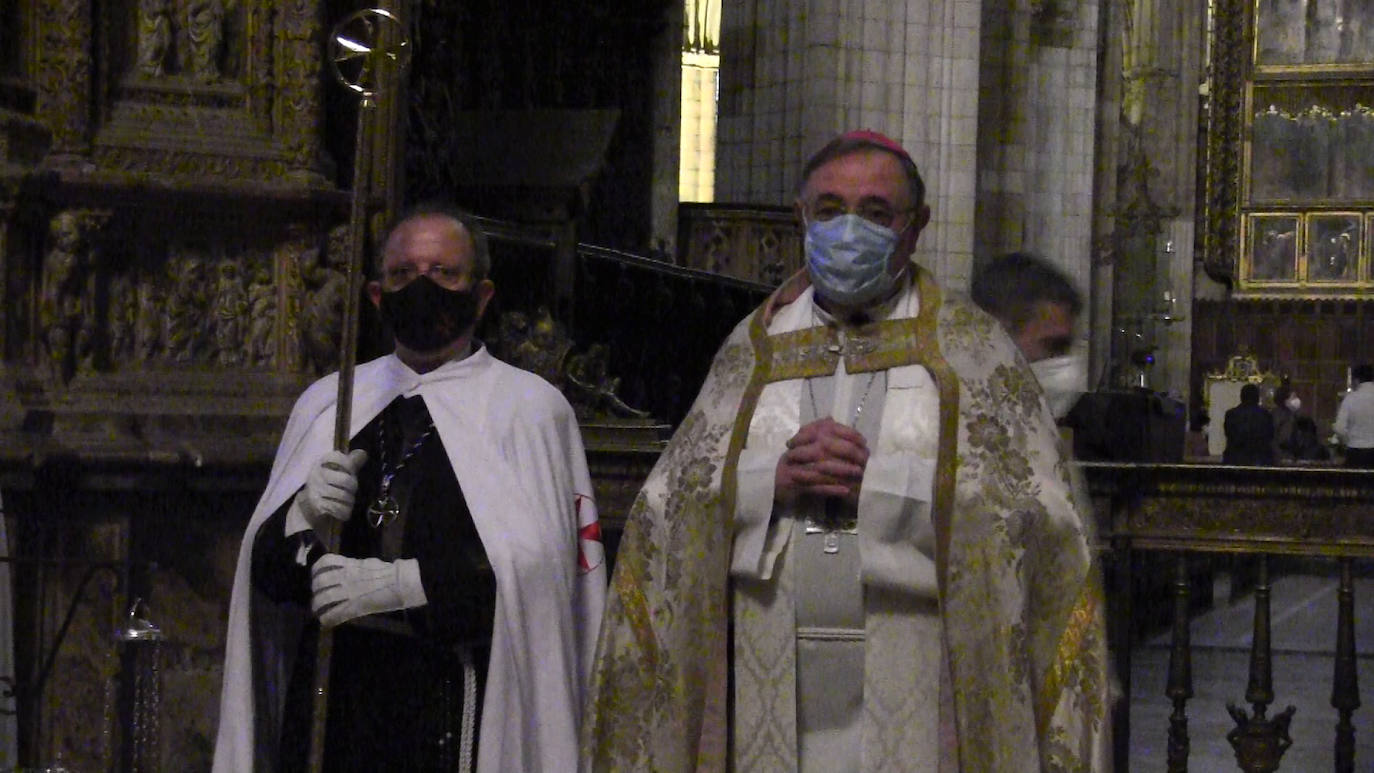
{"type": "Point", "coordinates": [824, 459]}
{"type": "Point", "coordinates": [330, 488]}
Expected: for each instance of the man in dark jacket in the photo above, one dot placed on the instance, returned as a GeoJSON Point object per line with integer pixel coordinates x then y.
{"type": "Point", "coordinates": [1249, 431]}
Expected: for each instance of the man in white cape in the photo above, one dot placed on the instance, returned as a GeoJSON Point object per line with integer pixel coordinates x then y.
{"type": "Point", "coordinates": [478, 534]}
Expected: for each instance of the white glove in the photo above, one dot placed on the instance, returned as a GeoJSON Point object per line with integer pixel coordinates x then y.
{"type": "Point", "coordinates": [343, 588]}
{"type": "Point", "coordinates": [329, 491]}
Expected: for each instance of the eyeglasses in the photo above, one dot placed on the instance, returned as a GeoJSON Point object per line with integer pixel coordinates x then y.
{"type": "Point", "coordinates": [874, 212]}
{"type": "Point", "coordinates": [449, 277]}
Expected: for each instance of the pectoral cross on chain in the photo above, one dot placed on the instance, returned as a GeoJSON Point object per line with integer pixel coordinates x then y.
{"type": "Point", "coordinates": [839, 519]}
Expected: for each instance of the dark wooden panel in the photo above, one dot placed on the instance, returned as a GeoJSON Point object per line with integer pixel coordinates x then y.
{"type": "Point", "coordinates": [1312, 342]}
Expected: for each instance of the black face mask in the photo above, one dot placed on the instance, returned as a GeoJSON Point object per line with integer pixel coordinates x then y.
{"type": "Point", "coordinates": [424, 316]}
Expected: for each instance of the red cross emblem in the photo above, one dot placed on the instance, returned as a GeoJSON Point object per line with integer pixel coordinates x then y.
{"type": "Point", "coordinates": [590, 552]}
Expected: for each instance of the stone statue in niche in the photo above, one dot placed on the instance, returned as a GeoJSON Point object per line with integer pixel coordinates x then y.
{"type": "Point", "coordinates": [229, 314]}
{"type": "Point", "coordinates": [148, 327]}
{"type": "Point", "coordinates": [205, 20]}
{"type": "Point", "coordinates": [543, 349]}
{"type": "Point", "coordinates": [123, 317]}
{"type": "Point", "coordinates": [325, 276]}
{"type": "Point", "coordinates": [154, 37]}
{"type": "Point", "coordinates": [540, 345]}
{"type": "Point", "coordinates": [66, 304]}
{"type": "Point", "coordinates": [511, 330]}
{"type": "Point", "coordinates": [592, 390]}
{"type": "Point", "coordinates": [184, 325]}
{"type": "Point", "coordinates": [258, 349]}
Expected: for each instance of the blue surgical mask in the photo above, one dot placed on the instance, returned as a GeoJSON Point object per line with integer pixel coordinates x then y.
{"type": "Point", "coordinates": [847, 258]}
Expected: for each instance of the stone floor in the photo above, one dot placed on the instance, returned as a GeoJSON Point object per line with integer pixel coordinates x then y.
{"type": "Point", "coordinates": [1303, 609]}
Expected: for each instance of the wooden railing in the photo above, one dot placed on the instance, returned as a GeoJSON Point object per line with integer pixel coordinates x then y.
{"type": "Point", "coordinates": [1183, 516]}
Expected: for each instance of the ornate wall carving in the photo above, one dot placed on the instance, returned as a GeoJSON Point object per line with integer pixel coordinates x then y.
{"type": "Point", "coordinates": [166, 206]}
{"type": "Point", "coordinates": [175, 226]}
{"type": "Point", "coordinates": [232, 88]}
{"type": "Point", "coordinates": [62, 77]}
{"type": "Point", "coordinates": [124, 291]}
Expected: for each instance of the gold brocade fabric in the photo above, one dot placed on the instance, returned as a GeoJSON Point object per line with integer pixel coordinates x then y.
{"type": "Point", "coordinates": [1021, 599]}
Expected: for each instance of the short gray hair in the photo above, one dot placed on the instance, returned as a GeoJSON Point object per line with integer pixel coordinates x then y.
{"type": "Point", "coordinates": [481, 252]}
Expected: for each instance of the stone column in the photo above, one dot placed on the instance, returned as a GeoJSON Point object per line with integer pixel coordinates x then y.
{"type": "Point", "coordinates": [796, 72]}
{"type": "Point", "coordinates": [1036, 132]}
{"type": "Point", "coordinates": [667, 133]}
{"type": "Point", "coordinates": [1162, 68]}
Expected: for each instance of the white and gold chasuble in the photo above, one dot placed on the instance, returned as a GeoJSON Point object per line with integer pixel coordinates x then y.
{"type": "Point", "coordinates": [697, 664]}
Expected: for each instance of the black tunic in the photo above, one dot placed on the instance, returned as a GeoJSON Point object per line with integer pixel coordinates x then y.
{"type": "Point", "coordinates": [395, 698]}
{"type": "Point", "coordinates": [1249, 435]}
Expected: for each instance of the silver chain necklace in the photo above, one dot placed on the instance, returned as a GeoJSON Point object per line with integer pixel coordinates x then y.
{"type": "Point", "coordinates": [384, 508]}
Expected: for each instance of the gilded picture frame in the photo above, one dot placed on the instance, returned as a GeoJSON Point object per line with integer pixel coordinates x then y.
{"type": "Point", "coordinates": [1290, 163]}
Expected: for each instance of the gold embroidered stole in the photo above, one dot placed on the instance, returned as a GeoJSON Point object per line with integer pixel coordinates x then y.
{"type": "Point", "coordinates": [903, 662]}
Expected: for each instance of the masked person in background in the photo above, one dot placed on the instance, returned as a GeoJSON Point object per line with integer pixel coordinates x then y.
{"type": "Point", "coordinates": [1285, 415]}
{"type": "Point", "coordinates": [1038, 306]}
{"type": "Point", "coordinates": [863, 528]}
{"type": "Point", "coordinates": [467, 591]}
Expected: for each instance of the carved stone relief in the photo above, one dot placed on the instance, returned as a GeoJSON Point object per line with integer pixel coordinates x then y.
{"type": "Point", "coordinates": [103, 306]}
{"type": "Point", "coordinates": [67, 313]}
{"type": "Point", "coordinates": [324, 277]}
{"type": "Point", "coordinates": [161, 173]}
{"type": "Point", "coordinates": [154, 37]}
{"type": "Point", "coordinates": [232, 87]}
{"type": "Point", "coordinates": [540, 344]}
{"type": "Point", "coordinates": [62, 76]}
{"type": "Point", "coordinates": [1225, 127]}
{"type": "Point", "coordinates": [196, 39]}
{"type": "Point", "coordinates": [758, 246]}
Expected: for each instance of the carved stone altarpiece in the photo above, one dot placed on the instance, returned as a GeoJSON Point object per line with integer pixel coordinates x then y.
{"type": "Point", "coordinates": [172, 233]}
{"type": "Point", "coordinates": [169, 254]}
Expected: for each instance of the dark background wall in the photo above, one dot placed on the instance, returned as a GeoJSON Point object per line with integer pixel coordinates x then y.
{"type": "Point", "coordinates": [498, 55]}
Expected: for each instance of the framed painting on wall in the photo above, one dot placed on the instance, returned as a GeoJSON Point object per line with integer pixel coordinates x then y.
{"type": "Point", "coordinates": [1289, 187]}
{"type": "Point", "coordinates": [1273, 248]}
{"type": "Point", "coordinates": [1333, 247]}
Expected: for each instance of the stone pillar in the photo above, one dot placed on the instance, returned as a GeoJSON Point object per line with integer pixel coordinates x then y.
{"type": "Point", "coordinates": [796, 72]}
{"type": "Point", "coordinates": [1036, 132]}
{"type": "Point", "coordinates": [667, 133]}
{"type": "Point", "coordinates": [1161, 70]}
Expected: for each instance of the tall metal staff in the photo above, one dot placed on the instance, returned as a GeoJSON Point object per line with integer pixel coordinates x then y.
{"type": "Point", "coordinates": [369, 49]}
